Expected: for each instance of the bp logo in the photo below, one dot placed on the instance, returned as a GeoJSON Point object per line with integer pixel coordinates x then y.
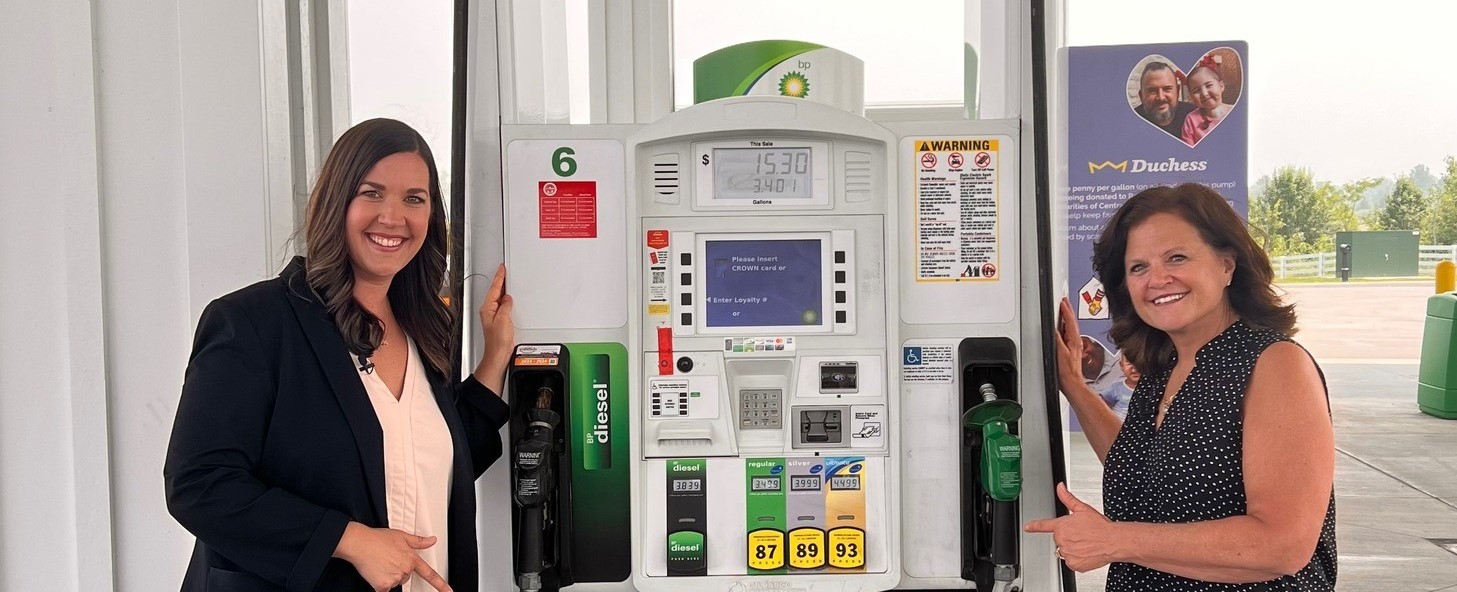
{"type": "Point", "coordinates": [794, 84]}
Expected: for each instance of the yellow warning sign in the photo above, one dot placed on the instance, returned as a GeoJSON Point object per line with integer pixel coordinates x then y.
{"type": "Point", "coordinates": [957, 208]}
{"type": "Point", "coordinates": [950, 145]}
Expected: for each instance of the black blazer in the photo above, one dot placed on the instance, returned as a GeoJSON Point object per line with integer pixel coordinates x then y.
{"type": "Point", "coordinates": [276, 447]}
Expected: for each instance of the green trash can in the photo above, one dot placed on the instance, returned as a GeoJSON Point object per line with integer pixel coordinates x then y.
{"type": "Point", "coordinates": [1437, 378]}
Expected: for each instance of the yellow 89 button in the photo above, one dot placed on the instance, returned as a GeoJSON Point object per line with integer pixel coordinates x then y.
{"type": "Point", "coordinates": [766, 549]}
{"type": "Point", "coordinates": [847, 548]}
{"type": "Point", "coordinates": [807, 548]}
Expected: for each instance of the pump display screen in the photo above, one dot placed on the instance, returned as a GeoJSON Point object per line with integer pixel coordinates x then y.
{"type": "Point", "coordinates": [764, 484]}
{"type": "Point", "coordinates": [770, 173]}
{"type": "Point", "coordinates": [845, 482]}
{"type": "Point", "coordinates": [763, 283]}
{"type": "Point", "coordinates": [687, 485]}
{"type": "Point", "coordinates": [804, 482]}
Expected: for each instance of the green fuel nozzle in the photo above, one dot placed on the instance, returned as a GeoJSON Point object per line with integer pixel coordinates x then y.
{"type": "Point", "coordinates": [1001, 450]}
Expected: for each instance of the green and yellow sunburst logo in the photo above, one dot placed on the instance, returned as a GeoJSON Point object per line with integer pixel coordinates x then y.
{"type": "Point", "coordinates": [794, 84]}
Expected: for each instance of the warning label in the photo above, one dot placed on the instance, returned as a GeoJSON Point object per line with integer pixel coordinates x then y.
{"type": "Point", "coordinates": [957, 209]}
{"type": "Point", "coordinates": [657, 273]}
{"type": "Point", "coordinates": [568, 209]}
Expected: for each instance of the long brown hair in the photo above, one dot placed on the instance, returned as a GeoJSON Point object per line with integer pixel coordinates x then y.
{"type": "Point", "coordinates": [415, 291]}
{"type": "Point", "coordinates": [1251, 291]}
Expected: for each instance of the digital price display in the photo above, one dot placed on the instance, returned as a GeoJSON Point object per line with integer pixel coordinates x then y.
{"type": "Point", "coordinates": [744, 173]}
{"type": "Point", "coordinates": [765, 484]}
{"type": "Point", "coordinates": [687, 485]}
{"type": "Point", "coordinates": [845, 482]}
{"type": "Point", "coordinates": [804, 482]}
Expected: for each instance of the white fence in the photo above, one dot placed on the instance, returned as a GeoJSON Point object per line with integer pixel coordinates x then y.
{"type": "Point", "coordinates": [1324, 264]}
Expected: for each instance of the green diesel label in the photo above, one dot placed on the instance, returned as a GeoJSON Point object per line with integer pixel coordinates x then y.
{"type": "Point", "coordinates": [601, 473]}
{"type": "Point", "coordinates": [687, 514]}
{"type": "Point", "coordinates": [595, 402]}
{"type": "Point", "coordinates": [686, 547]}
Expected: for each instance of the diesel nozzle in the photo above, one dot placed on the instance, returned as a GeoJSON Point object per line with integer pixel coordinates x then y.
{"type": "Point", "coordinates": [535, 486]}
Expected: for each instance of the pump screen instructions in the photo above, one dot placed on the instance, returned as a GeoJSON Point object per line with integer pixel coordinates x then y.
{"type": "Point", "coordinates": [763, 283]}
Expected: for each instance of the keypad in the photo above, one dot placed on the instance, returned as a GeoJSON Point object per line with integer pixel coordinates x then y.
{"type": "Point", "coordinates": [761, 409]}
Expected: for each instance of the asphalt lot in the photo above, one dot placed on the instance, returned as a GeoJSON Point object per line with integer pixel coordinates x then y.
{"type": "Point", "coordinates": [1396, 468]}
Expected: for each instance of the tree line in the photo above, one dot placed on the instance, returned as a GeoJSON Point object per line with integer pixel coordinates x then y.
{"type": "Point", "coordinates": [1293, 213]}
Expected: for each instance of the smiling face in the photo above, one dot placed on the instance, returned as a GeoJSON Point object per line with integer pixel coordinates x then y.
{"type": "Point", "coordinates": [1094, 356]}
{"type": "Point", "coordinates": [1159, 93]}
{"type": "Point", "coordinates": [1130, 373]}
{"type": "Point", "coordinates": [389, 217]}
{"type": "Point", "coordinates": [1175, 279]}
{"type": "Point", "coordinates": [1206, 88]}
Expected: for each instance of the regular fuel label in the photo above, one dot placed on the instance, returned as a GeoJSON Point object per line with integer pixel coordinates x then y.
{"type": "Point", "coordinates": [956, 209]}
{"type": "Point", "coordinates": [764, 498]}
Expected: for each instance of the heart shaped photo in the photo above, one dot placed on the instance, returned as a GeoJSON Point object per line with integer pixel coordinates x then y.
{"type": "Point", "coordinates": [1188, 106]}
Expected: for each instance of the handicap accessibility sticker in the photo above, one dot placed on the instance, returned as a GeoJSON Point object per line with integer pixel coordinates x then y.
{"type": "Point", "coordinates": [927, 363]}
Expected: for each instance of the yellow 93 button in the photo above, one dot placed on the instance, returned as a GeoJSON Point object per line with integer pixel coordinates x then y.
{"type": "Point", "coordinates": [847, 548]}
{"type": "Point", "coordinates": [766, 549]}
{"type": "Point", "coordinates": [806, 548]}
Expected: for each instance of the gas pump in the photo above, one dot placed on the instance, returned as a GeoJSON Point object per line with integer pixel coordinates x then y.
{"type": "Point", "coordinates": [819, 341]}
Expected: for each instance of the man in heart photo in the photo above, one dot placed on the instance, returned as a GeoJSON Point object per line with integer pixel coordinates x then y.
{"type": "Point", "coordinates": [1159, 88]}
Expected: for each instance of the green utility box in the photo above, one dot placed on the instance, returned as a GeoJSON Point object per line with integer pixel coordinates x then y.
{"type": "Point", "coordinates": [1437, 378]}
{"type": "Point", "coordinates": [1376, 253]}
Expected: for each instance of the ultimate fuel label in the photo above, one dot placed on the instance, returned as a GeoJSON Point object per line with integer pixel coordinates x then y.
{"type": "Point", "coordinates": [845, 513]}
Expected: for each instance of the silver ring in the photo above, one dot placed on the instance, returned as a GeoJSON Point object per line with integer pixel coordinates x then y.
{"type": "Point", "coordinates": [1059, 552]}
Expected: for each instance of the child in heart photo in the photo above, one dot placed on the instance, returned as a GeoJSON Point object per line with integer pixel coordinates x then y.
{"type": "Point", "coordinates": [1207, 90]}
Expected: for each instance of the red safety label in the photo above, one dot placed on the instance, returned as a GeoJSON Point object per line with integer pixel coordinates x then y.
{"type": "Point", "coordinates": [568, 209]}
{"type": "Point", "coordinates": [665, 351]}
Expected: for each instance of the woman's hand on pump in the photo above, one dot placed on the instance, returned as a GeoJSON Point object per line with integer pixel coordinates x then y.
{"type": "Point", "coordinates": [498, 331]}
{"type": "Point", "coordinates": [1083, 537]}
{"type": "Point", "coordinates": [386, 557]}
{"type": "Point", "coordinates": [1069, 350]}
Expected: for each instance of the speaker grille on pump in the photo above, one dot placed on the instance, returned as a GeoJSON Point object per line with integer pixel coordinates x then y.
{"type": "Point", "coordinates": [857, 176]}
{"type": "Point", "coordinates": [665, 178]}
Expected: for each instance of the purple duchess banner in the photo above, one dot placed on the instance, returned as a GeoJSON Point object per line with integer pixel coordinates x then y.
{"type": "Point", "coordinates": [1141, 116]}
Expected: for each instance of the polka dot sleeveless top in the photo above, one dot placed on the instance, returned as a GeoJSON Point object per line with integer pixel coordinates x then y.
{"type": "Point", "coordinates": [1190, 468]}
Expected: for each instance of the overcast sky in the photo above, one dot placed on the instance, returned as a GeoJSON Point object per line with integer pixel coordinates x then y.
{"type": "Point", "coordinates": [1346, 90]}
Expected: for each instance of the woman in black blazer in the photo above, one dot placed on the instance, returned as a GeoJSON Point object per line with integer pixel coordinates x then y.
{"type": "Point", "coordinates": [277, 459]}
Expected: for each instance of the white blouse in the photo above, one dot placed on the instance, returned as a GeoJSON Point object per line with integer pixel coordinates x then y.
{"type": "Point", "coordinates": [418, 458]}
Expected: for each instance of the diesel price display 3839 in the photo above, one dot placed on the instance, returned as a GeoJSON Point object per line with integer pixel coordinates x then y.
{"type": "Point", "coordinates": [761, 172]}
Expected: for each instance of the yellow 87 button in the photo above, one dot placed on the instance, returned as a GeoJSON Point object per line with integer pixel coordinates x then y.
{"type": "Point", "coordinates": [766, 549]}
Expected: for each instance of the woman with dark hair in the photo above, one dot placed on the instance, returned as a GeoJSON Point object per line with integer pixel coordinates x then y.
{"type": "Point", "coordinates": [1220, 477]}
{"type": "Point", "coordinates": [319, 442]}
